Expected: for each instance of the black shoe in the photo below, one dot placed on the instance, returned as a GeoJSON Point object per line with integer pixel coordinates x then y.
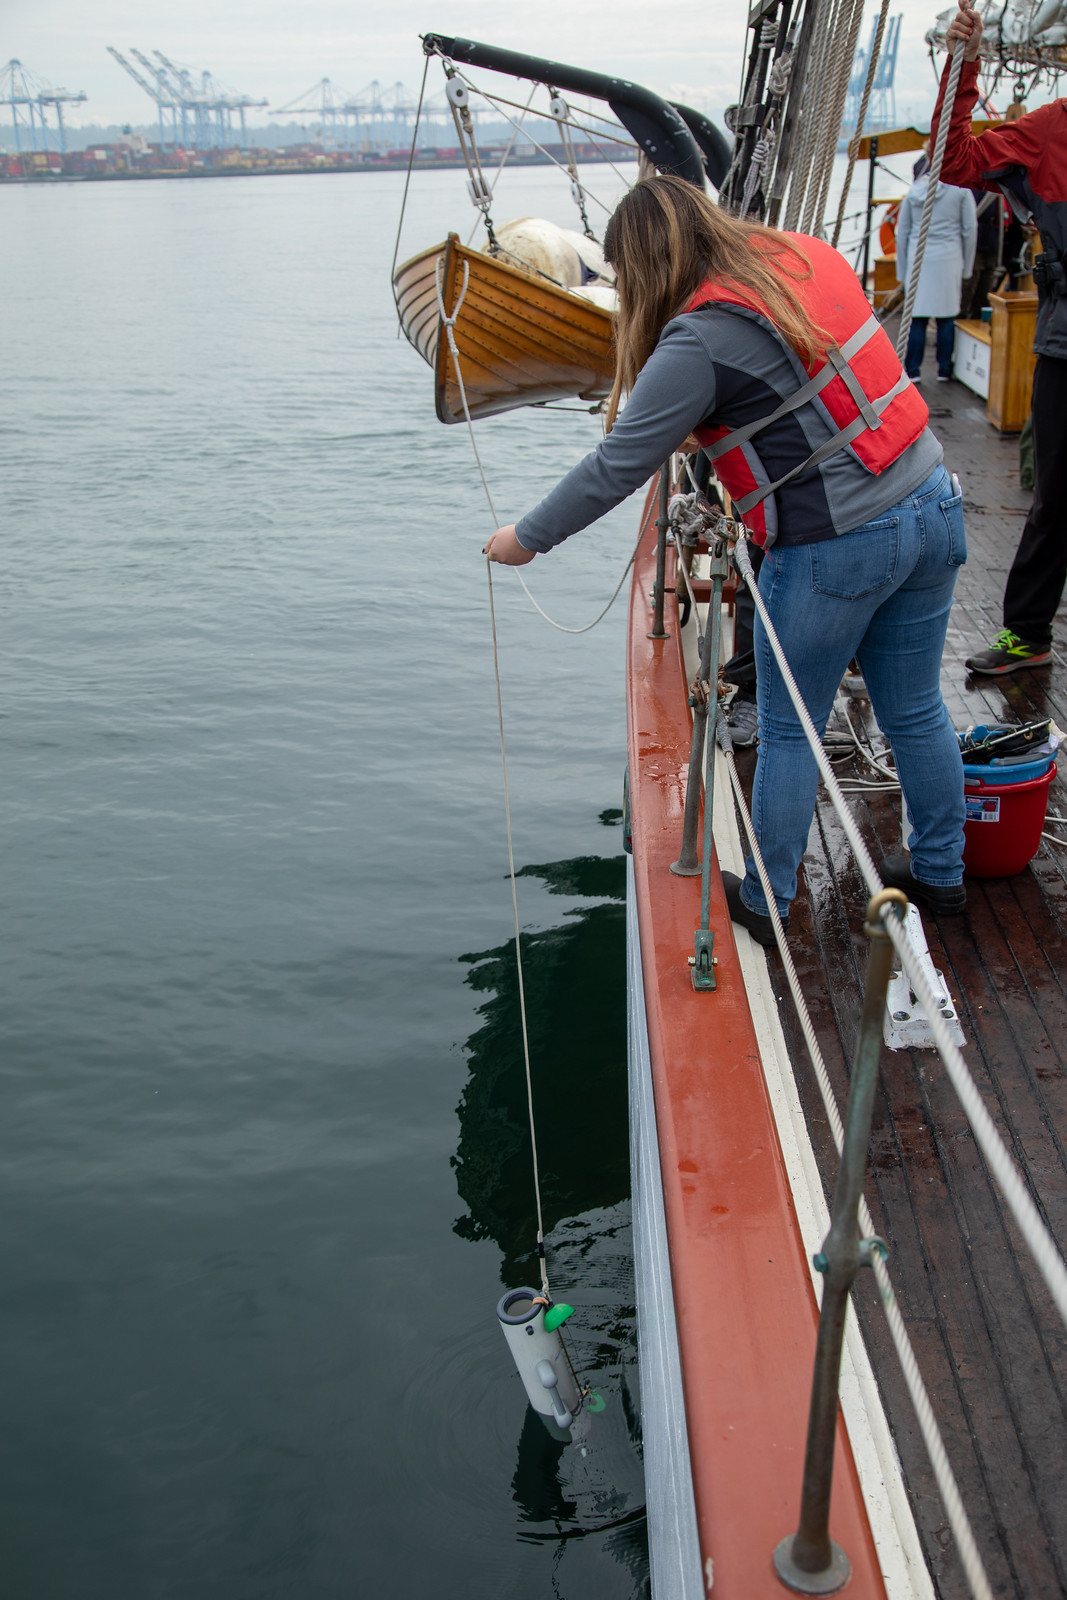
{"type": "Point", "coordinates": [1008, 653]}
{"type": "Point", "coordinates": [742, 720]}
{"type": "Point", "coordinates": [758, 923]}
{"type": "Point", "coordinates": [944, 899]}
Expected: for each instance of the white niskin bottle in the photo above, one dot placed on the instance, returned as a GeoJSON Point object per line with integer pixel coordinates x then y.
{"type": "Point", "coordinates": [539, 1355]}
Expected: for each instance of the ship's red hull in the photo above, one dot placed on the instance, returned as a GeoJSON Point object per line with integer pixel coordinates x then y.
{"type": "Point", "coordinates": [744, 1302]}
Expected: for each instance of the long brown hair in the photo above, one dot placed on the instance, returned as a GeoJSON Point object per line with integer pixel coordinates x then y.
{"type": "Point", "coordinates": [664, 240]}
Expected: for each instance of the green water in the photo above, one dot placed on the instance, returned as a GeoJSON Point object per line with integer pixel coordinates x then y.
{"type": "Point", "coordinates": [265, 1164]}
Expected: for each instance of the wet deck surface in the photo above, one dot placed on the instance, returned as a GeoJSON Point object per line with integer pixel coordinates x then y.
{"type": "Point", "coordinates": [991, 1347]}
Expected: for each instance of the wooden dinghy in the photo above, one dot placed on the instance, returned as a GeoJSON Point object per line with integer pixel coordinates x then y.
{"type": "Point", "coordinates": [521, 339]}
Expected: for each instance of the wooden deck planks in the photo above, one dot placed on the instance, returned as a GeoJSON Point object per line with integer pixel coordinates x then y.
{"type": "Point", "coordinates": [992, 1347]}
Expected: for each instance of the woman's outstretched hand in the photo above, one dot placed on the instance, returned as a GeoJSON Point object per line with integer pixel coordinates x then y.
{"type": "Point", "coordinates": [505, 548]}
{"type": "Point", "coordinates": [966, 25]}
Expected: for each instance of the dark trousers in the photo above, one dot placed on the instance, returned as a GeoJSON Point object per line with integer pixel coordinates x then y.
{"type": "Point", "coordinates": [1035, 582]}
{"type": "Point", "coordinates": [946, 343]}
{"type": "Point", "coordinates": [741, 667]}
{"type": "Point", "coordinates": [975, 292]}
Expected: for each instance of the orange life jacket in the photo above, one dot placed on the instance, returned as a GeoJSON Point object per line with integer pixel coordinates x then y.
{"type": "Point", "coordinates": [861, 383]}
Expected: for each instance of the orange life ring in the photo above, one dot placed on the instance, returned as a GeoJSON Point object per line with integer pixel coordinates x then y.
{"type": "Point", "coordinates": [887, 230]}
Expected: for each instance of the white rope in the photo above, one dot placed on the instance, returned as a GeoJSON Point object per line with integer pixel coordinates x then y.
{"type": "Point", "coordinates": [813, 93]}
{"type": "Point", "coordinates": [600, 614]}
{"type": "Point", "coordinates": [542, 1260]}
{"type": "Point", "coordinates": [448, 323]}
{"type": "Point", "coordinates": [762, 157]}
{"type": "Point", "coordinates": [861, 120]}
{"type": "Point", "coordinates": [936, 158]}
{"type": "Point", "coordinates": [1035, 1234]}
{"type": "Point", "coordinates": [839, 66]}
{"type": "Point", "coordinates": [920, 1399]}
{"type": "Point", "coordinates": [684, 570]}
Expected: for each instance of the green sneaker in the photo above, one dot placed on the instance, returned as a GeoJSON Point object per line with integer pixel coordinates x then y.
{"type": "Point", "coordinates": [1007, 654]}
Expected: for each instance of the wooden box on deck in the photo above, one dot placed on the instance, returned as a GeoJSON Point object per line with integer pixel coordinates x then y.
{"type": "Point", "coordinates": [885, 279]}
{"type": "Point", "coordinates": [971, 363]}
{"type": "Point", "coordinates": [1011, 360]}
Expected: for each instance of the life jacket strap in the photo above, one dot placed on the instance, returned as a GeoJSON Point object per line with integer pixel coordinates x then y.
{"type": "Point", "coordinates": [840, 441]}
{"type": "Point", "coordinates": [836, 366]}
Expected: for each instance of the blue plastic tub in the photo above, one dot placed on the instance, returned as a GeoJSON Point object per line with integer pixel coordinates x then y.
{"type": "Point", "coordinates": [1001, 775]}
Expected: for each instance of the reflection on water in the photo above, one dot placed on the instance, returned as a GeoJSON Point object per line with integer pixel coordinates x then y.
{"type": "Point", "coordinates": [587, 1495]}
{"type": "Point", "coordinates": [575, 978]}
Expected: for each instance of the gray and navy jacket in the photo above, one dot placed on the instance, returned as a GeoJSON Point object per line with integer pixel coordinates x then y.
{"type": "Point", "coordinates": [1027, 162]}
{"type": "Point", "coordinates": [721, 365]}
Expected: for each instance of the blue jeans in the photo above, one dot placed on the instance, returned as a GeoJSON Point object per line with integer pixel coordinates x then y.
{"type": "Point", "coordinates": [946, 344]}
{"type": "Point", "coordinates": [883, 594]}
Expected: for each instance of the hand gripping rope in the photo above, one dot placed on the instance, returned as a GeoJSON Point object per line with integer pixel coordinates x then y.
{"type": "Point", "coordinates": [936, 159]}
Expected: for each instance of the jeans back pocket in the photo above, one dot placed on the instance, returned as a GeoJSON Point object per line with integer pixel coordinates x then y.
{"type": "Point", "coordinates": [858, 563]}
{"type": "Point", "coordinates": [952, 511]}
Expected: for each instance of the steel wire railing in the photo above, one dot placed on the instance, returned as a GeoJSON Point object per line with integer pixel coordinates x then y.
{"type": "Point", "coordinates": [1036, 1235]}
{"type": "Point", "coordinates": [945, 1478]}
{"type": "Point", "coordinates": [1038, 1239]}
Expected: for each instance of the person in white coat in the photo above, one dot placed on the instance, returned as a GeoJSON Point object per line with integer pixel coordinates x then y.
{"type": "Point", "coordinates": [947, 260]}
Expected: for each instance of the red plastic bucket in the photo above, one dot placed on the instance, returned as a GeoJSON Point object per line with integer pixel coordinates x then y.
{"type": "Point", "coordinates": [1003, 826]}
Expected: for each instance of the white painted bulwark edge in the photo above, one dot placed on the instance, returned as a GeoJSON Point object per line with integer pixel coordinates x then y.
{"type": "Point", "coordinates": [674, 1548]}
{"type": "Point", "coordinates": [892, 1524]}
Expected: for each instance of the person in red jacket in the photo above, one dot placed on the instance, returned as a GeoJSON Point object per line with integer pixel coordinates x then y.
{"type": "Point", "coordinates": [763, 345]}
{"type": "Point", "coordinates": [1027, 162]}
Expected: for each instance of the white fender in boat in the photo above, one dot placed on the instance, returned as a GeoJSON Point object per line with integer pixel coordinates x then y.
{"type": "Point", "coordinates": [558, 253]}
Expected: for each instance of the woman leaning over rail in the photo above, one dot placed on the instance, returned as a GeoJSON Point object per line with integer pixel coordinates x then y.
{"type": "Point", "coordinates": [731, 331]}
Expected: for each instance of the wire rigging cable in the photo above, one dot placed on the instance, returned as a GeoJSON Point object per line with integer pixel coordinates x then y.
{"type": "Point", "coordinates": [407, 175]}
{"type": "Point", "coordinates": [1036, 1235]}
{"type": "Point", "coordinates": [504, 158]}
{"type": "Point", "coordinates": [920, 1399]}
{"type": "Point", "coordinates": [548, 156]}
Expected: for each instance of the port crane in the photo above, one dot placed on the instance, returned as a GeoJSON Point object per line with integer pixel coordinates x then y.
{"type": "Point", "coordinates": [332, 107]}
{"type": "Point", "coordinates": [30, 101]}
{"type": "Point", "coordinates": [211, 106]}
{"type": "Point", "coordinates": [165, 102]}
{"type": "Point", "coordinates": [374, 117]}
{"type": "Point", "coordinates": [200, 114]}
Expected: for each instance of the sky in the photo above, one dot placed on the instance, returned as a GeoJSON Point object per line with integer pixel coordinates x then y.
{"type": "Point", "coordinates": [681, 48]}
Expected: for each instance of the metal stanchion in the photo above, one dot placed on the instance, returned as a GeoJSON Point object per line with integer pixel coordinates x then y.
{"type": "Point", "coordinates": [809, 1561]}
{"type": "Point", "coordinates": [658, 630]}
